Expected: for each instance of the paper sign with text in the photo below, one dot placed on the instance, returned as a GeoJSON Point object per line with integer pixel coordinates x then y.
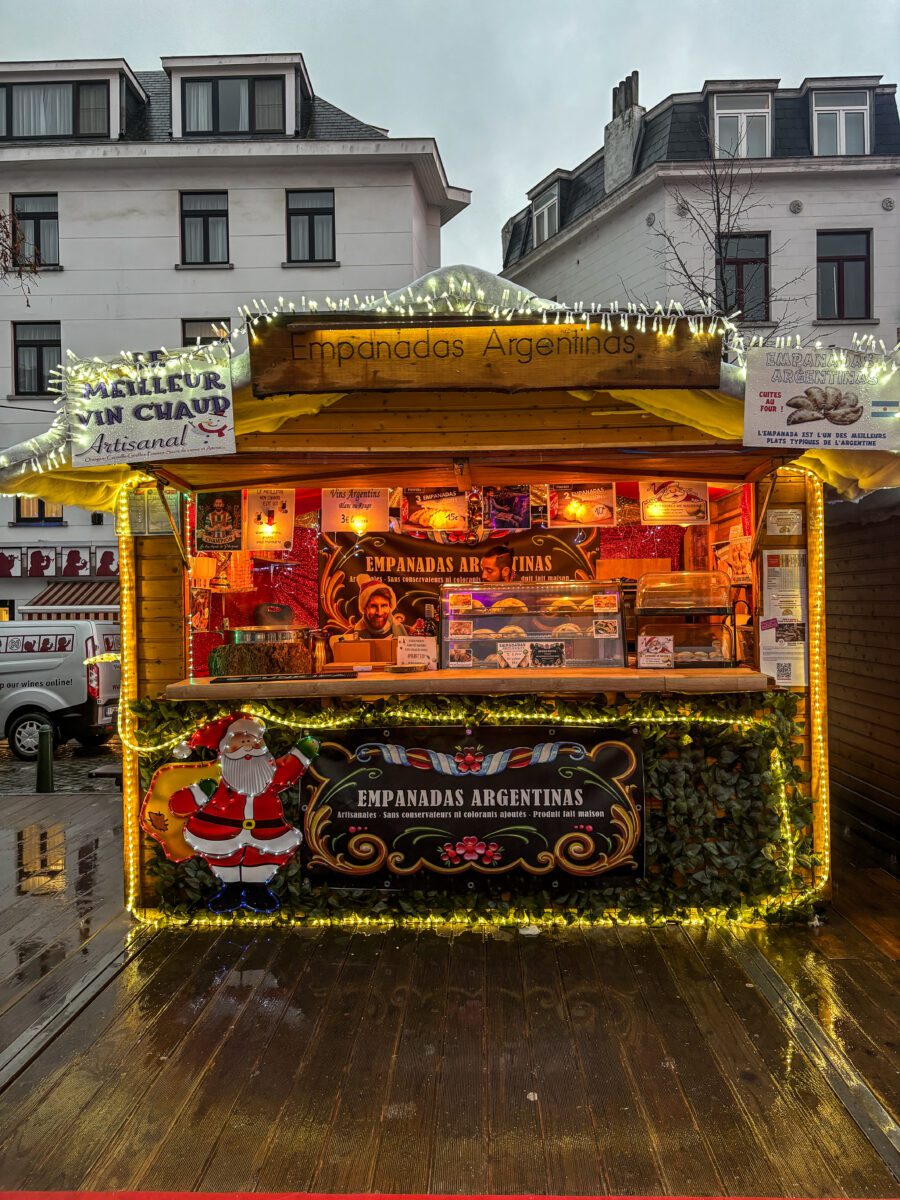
{"type": "Point", "coordinates": [355, 510]}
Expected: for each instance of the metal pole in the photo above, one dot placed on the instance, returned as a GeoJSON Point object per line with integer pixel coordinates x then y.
{"type": "Point", "coordinates": [44, 781]}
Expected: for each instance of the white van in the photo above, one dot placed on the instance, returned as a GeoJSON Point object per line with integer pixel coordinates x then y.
{"type": "Point", "coordinates": [44, 681]}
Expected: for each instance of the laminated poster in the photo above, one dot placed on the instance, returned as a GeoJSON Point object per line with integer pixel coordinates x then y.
{"type": "Point", "coordinates": [784, 522]}
{"type": "Point", "coordinates": [656, 650]}
{"type": "Point", "coordinates": [783, 629]}
{"type": "Point", "coordinates": [219, 521]}
{"type": "Point", "coordinates": [507, 507]}
{"type": "Point", "coordinates": [674, 502]}
{"type": "Point", "coordinates": [441, 510]}
{"type": "Point", "coordinates": [200, 601]}
{"type": "Point", "coordinates": [581, 504]}
{"type": "Point", "coordinates": [355, 510]}
{"type": "Point", "coordinates": [270, 518]}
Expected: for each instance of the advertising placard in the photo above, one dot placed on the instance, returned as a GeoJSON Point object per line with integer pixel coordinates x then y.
{"type": "Point", "coordinates": [152, 411]}
{"type": "Point", "coordinates": [827, 399]}
{"type": "Point", "coordinates": [454, 803]}
{"type": "Point", "coordinates": [581, 504]}
{"type": "Point", "coordinates": [219, 521]}
{"type": "Point", "coordinates": [270, 518]}
{"type": "Point", "coordinates": [783, 630]}
{"type": "Point", "coordinates": [355, 510]}
{"type": "Point", "coordinates": [674, 502]}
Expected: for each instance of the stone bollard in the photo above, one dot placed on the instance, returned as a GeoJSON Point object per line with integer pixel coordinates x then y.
{"type": "Point", "coordinates": [44, 782]}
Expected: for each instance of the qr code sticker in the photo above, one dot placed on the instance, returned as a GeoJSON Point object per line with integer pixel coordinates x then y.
{"type": "Point", "coordinates": [783, 672]}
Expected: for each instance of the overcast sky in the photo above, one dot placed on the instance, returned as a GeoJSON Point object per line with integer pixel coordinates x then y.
{"type": "Point", "coordinates": [509, 88]}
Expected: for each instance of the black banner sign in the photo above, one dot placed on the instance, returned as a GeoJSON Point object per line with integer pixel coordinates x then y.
{"type": "Point", "coordinates": [392, 806]}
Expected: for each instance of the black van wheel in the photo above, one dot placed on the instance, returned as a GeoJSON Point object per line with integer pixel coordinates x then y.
{"type": "Point", "coordinates": [93, 741]}
{"type": "Point", "coordinates": [23, 732]}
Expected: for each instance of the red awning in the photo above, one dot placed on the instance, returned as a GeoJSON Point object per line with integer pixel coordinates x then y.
{"type": "Point", "coordinates": [75, 599]}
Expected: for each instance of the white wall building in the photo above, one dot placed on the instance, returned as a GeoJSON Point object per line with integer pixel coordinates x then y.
{"type": "Point", "coordinates": [815, 250]}
{"type": "Point", "coordinates": [155, 203]}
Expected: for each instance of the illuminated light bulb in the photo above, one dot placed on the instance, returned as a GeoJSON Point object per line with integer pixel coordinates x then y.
{"type": "Point", "coordinates": [359, 525]}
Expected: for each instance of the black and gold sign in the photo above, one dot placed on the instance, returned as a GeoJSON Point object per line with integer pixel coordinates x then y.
{"type": "Point", "coordinates": [385, 806]}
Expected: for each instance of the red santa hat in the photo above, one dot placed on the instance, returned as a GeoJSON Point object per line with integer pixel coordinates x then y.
{"type": "Point", "coordinates": [374, 587]}
{"type": "Point", "coordinates": [212, 735]}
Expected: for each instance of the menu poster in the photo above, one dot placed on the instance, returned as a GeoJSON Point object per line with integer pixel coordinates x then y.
{"type": "Point", "coordinates": [444, 510]}
{"type": "Point", "coordinates": [576, 504]}
{"type": "Point", "coordinates": [784, 522]}
{"type": "Point", "coordinates": [200, 602]}
{"type": "Point", "coordinates": [270, 518]}
{"type": "Point", "coordinates": [507, 507]}
{"type": "Point", "coordinates": [783, 630]}
{"type": "Point", "coordinates": [355, 510]}
{"type": "Point", "coordinates": [674, 502]}
{"type": "Point", "coordinates": [146, 514]}
{"type": "Point", "coordinates": [219, 521]}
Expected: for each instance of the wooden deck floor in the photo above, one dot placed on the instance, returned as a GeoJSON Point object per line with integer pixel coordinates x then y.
{"type": "Point", "coordinates": [602, 1061]}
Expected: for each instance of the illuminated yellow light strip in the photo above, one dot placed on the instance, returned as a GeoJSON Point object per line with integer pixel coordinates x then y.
{"type": "Point", "coordinates": [817, 665]}
{"type": "Point", "coordinates": [130, 771]}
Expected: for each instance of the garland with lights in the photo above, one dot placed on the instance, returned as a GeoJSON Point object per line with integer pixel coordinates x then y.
{"type": "Point", "coordinates": [728, 823]}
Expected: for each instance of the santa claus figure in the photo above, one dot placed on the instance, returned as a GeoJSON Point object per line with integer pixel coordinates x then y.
{"type": "Point", "coordinates": [237, 823]}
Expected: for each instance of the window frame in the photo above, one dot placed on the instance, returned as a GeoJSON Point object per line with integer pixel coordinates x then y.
{"type": "Point", "coordinates": [6, 99]}
{"type": "Point", "coordinates": [205, 216]}
{"type": "Point", "coordinates": [537, 212]}
{"type": "Point", "coordinates": [16, 326]}
{"type": "Point", "coordinates": [844, 258]}
{"type": "Point", "coordinates": [39, 220]}
{"type": "Point", "coordinates": [41, 518]}
{"type": "Point", "coordinates": [739, 263]}
{"type": "Point", "coordinates": [311, 213]}
{"type": "Point", "coordinates": [840, 111]}
{"type": "Point", "coordinates": [215, 80]}
{"type": "Point", "coordinates": [203, 341]}
{"type": "Point", "coordinates": [742, 114]}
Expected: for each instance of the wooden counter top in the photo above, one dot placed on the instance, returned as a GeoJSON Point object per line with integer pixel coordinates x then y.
{"type": "Point", "coordinates": [477, 682]}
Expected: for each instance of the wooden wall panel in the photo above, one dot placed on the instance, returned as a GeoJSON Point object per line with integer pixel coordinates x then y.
{"type": "Point", "coordinates": [159, 614]}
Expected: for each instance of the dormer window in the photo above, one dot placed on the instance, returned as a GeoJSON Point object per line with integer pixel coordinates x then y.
{"type": "Point", "coordinates": [39, 110]}
{"type": "Point", "coordinates": [742, 125]}
{"type": "Point", "coordinates": [841, 122]}
{"type": "Point", "coordinates": [232, 105]}
{"type": "Point", "coordinates": [546, 214]}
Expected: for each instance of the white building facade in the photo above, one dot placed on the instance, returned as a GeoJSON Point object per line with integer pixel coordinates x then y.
{"type": "Point", "coordinates": [154, 203]}
{"type": "Point", "coordinates": [809, 248]}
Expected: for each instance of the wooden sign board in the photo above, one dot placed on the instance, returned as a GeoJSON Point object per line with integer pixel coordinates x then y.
{"type": "Point", "coordinates": [289, 357]}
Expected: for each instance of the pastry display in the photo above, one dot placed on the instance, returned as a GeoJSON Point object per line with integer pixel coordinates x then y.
{"type": "Point", "coordinates": [512, 631]}
{"type": "Point", "coordinates": [483, 634]}
{"type": "Point", "coordinates": [509, 604]}
{"type": "Point", "coordinates": [567, 629]}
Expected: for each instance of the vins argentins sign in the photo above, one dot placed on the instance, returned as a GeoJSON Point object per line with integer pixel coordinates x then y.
{"type": "Point", "coordinates": [394, 806]}
{"type": "Point", "coordinates": [153, 412]}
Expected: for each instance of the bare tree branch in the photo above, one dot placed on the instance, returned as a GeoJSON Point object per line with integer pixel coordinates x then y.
{"type": "Point", "coordinates": [17, 267]}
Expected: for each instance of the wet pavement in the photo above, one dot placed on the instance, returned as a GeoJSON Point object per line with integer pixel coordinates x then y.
{"type": "Point", "coordinates": [72, 767]}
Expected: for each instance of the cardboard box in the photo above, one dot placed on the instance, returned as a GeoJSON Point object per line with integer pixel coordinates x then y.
{"type": "Point", "coordinates": [378, 650]}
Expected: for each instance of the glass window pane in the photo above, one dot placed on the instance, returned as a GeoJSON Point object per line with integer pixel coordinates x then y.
{"type": "Point", "coordinates": [306, 200]}
{"type": "Point", "coordinates": [755, 308]}
{"type": "Point", "coordinates": [756, 137]}
{"type": "Point", "coordinates": [234, 105]}
{"type": "Point", "coordinates": [37, 333]}
{"type": "Point", "coordinates": [193, 239]}
{"type": "Point", "coordinates": [34, 204]}
{"type": "Point", "coordinates": [2, 112]}
{"type": "Point", "coordinates": [27, 369]}
{"type": "Point", "coordinates": [218, 239]}
{"type": "Point", "coordinates": [743, 103]}
{"type": "Point", "coordinates": [198, 107]}
{"type": "Point", "coordinates": [854, 133]}
{"type": "Point", "coordinates": [746, 246]}
{"type": "Point", "coordinates": [42, 109]}
{"type": "Point", "coordinates": [269, 108]}
{"type": "Point", "coordinates": [545, 197]}
{"type": "Point", "coordinates": [728, 136]}
{"type": "Point", "coordinates": [826, 133]}
{"type": "Point", "coordinates": [50, 360]}
{"type": "Point", "coordinates": [322, 231]}
{"type": "Point", "coordinates": [93, 116]}
{"type": "Point", "coordinates": [827, 278]}
{"type": "Point", "coordinates": [840, 99]}
{"type": "Point", "coordinates": [25, 248]}
{"type": "Point", "coordinates": [552, 215]}
{"type": "Point", "coordinates": [207, 330]}
{"type": "Point", "coordinates": [29, 508]}
{"type": "Point", "coordinates": [50, 242]}
{"type": "Point", "coordinates": [855, 298]}
{"type": "Point", "coordinates": [52, 512]}
{"type": "Point", "coordinates": [299, 239]}
{"type": "Point", "coordinates": [841, 244]}
{"type": "Point", "coordinates": [729, 282]}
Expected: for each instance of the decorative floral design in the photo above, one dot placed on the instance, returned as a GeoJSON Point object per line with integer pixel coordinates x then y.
{"type": "Point", "coordinates": [469, 758]}
{"type": "Point", "coordinates": [471, 849]}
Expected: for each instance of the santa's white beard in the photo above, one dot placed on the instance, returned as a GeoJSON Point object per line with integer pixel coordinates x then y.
{"type": "Point", "coordinates": [248, 776]}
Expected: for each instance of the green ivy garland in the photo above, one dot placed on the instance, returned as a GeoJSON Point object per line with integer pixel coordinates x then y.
{"type": "Point", "coordinates": [716, 841]}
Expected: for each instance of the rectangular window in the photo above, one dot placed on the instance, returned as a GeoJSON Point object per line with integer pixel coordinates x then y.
{"type": "Point", "coordinates": [38, 110]}
{"type": "Point", "coordinates": [250, 105]}
{"type": "Point", "coordinates": [204, 227]}
{"type": "Point", "coordinates": [546, 215]}
{"type": "Point", "coordinates": [196, 330]}
{"type": "Point", "coordinates": [843, 275]}
{"type": "Point", "coordinates": [744, 275]}
{"type": "Point", "coordinates": [37, 351]}
{"type": "Point", "coordinates": [36, 230]}
{"type": "Point", "coordinates": [31, 511]}
{"type": "Point", "coordinates": [742, 125]}
{"type": "Point", "coordinates": [310, 217]}
{"type": "Point", "coordinates": [841, 123]}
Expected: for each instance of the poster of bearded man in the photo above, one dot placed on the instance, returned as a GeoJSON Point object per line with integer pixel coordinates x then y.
{"type": "Point", "coordinates": [236, 823]}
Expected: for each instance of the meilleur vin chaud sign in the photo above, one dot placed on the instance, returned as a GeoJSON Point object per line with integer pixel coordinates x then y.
{"type": "Point", "coordinates": [155, 411]}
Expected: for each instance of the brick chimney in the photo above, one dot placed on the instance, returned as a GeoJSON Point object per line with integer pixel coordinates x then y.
{"type": "Point", "coordinates": [622, 133]}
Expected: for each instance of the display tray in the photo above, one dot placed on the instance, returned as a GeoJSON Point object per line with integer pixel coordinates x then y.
{"type": "Point", "coordinates": [478, 682]}
{"type": "Point", "coordinates": [682, 612]}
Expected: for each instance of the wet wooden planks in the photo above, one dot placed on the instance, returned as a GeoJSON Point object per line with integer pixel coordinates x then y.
{"type": "Point", "coordinates": [596, 1061]}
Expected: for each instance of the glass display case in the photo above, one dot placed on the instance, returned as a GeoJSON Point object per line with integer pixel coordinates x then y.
{"type": "Point", "coordinates": [684, 619]}
{"type": "Point", "coordinates": [512, 626]}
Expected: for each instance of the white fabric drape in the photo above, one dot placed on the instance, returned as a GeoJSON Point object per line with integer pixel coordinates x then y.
{"type": "Point", "coordinates": [42, 109]}
{"type": "Point", "coordinates": [322, 236]}
{"type": "Point", "coordinates": [193, 239]}
{"type": "Point", "coordinates": [198, 107]}
{"type": "Point", "coordinates": [218, 239]}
